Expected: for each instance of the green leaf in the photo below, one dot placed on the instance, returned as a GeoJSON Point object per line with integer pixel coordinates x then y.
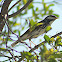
{"type": "Point", "coordinates": [3, 49]}
{"type": "Point", "coordinates": [46, 38]}
{"type": "Point", "coordinates": [60, 44]}
{"type": "Point", "coordinates": [48, 28]}
{"type": "Point", "coordinates": [33, 12]}
{"type": "Point", "coordinates": [51, 12]}
{"type": "Point", "coordinates": [60, 60]}
{"type": "Point", "coordinates": [22, 28]}
{"type": "Point", "coordinates": [43, 50]}
{"type": "Point", "coordinates": [18, 32]}
{"type": "Point", "coordinates": [51, 5]}
{"type": "Point", "coordinates": [43, 1]}
{"type": "Point", "coordinates": [0, 0]}
{"type": "Point", "coordinates": [57, 55]}
{"type": "Point", "coordinates": [52, 39]}
{"type": "Point", "coordinates": [18, 7]}
{"type": "Point", "coordinates": [56, 15]}
{"type": "Point", "coordinates": [30, 6]}
{"type": "Point", "coordinates": [16, 24]}
{"type": "Point", "coordinates": [28, 55]}
{"type": "Point", "coordinates": [37, 9]}
{"type": "Point", "coordinates": [45, 8]}
{"type": "Point", "coordinates": [32, 24]}
{"type": "Point", "coordinates": [52, 60]}
{"type": "Point", "coordinates": [15, 31]}
{"type": "Point", "coordinates": [24, 1]}
{"type": "Point", "coordinates": [58, 40]}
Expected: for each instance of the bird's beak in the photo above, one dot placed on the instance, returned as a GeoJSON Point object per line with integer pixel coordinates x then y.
{"type": "Point", "coordinates": [56, 17]}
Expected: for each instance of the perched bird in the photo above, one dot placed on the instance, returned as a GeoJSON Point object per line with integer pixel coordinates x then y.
{"type": "Point", "coordinates": [40, 29]}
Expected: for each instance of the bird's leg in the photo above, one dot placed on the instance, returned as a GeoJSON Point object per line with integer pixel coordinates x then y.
{"type": "Point", "coordinates": [32, 42]}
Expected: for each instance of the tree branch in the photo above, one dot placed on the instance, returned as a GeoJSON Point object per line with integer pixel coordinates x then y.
{"type": "Point", "coordinates": [44, 42]}
{"type": "Point", "coordinates": [5, 6]}
{"type": "Point", "coordinates": [4, 11]}
{"type": "Point", "coordinates": [24, 7]}
{"type": "Point", "coordinates": [14, 5]}
{"type": "Point", "coordinates": [39, 45]}
{"type": "Point", "coordinates": [57, 34]}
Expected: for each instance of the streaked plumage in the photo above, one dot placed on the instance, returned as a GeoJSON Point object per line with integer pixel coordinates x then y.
{"type": "Point", "coordinates": [38, 29]}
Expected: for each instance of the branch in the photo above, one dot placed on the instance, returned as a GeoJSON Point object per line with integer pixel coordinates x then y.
{"type": "Point", "coordinates": [5, 6]}
{"type": "Point", "coordinates": [1, 22]}
{"type": "Point", "coordinates": [1, 54]}
{"type": "Point", "coordinates": [39, 45]}
{"type": "Point", "coordinates": [2, 49]}
{"type": "Point", "coordinates": [5, 56]}
{"type": "Point", "coordinates": [57, 34]}
{"type": "Point", "coordinates": [44, 42]}
{"type": "Point", "coordinates": [4, 11]}
{"type": "Point", "coordinates": [24, 7]}
{"type": "Point", "coordinates": [14, 5]}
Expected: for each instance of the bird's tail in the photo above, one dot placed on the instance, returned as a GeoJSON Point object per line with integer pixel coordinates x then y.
{"type": "Point", "coordinates": [13, 44]}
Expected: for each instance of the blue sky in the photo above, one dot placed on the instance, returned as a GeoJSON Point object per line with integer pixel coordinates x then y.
{"type": "Point", "coordinates": [56, 26]}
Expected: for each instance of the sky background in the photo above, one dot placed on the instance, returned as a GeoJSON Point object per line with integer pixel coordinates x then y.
{"type": "Point", "coordinates": [56, 26]}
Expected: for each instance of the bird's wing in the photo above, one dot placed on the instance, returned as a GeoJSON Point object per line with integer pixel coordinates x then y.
{"type": "Point", "coordinates": [32, 31]}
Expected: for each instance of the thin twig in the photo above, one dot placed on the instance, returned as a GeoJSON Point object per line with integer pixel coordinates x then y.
{"type": "Point", "coordinates": [14, 5]}
{"type": "Point", "coordinates": [39, 45]}
{"type": "Point", "coordinates": [1, 54]}
{"type": "Point", "coordinates": [57, 34]}
{"type": "Point", "coordinates": [37, 56]}
{"type": "Point", "coordinates": [13, 50]}
{"type": "Point", "coordinates": [7, 37]}
{"type": "Point", "coordinates": [24, 7]}
{"type": "Point", "coordinates": [26, 44]}
{"type": "Point", "coordinates": [44, 42]}
{"type": "Point", "coordinates": [12, 55]}
{"type": "Point", "coordinates": [10, 29]}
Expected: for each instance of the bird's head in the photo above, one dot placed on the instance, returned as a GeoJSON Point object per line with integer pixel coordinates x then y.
{"type": "Point", "coordinates": [50, 19]}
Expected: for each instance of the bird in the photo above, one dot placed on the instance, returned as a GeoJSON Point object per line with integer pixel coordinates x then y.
{"type": "Point", "coordinates": [37, 31]}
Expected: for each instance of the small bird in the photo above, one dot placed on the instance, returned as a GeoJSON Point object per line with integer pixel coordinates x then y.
{"type": "Point", "coordinates": [38, 30]}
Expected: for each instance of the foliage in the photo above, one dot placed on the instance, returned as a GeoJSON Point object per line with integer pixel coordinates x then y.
{"type": "Point", "coordinates": [0, 0]}
{"type": "Point", "coordinates": [33, 24]}
{"type": "Point", "coordinates": [16, 25]}
{"type": "Point", "coordinates": [28, 56]}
